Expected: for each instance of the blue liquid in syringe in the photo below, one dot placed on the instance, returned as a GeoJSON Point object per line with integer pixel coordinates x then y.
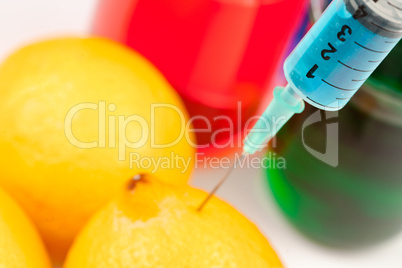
{"type": "Point", "coordinates": [335, 58]}
{"type": "Point", "coordinates": [331, 62]}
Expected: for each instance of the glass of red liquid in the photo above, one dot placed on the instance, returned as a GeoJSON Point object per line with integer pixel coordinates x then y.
{"type": "Point", "coordinates": [220, 55]}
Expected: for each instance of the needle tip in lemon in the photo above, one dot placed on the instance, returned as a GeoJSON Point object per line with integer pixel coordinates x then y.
{"type": "Point", "coordinates": [154, 225]}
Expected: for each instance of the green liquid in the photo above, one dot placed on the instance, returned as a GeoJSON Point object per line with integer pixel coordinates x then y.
{"type": "Point", "coordinates": [360, 200]}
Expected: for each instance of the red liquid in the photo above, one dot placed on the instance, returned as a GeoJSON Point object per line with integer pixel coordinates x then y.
{"type": "Point", "coordinates": [216, 53]}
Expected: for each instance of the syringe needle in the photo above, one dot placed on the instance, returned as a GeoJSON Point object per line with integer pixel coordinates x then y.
{"type": "Point", "coordinates": [224, 178]}
{"type": "Point", "coordinates": [284, 105]}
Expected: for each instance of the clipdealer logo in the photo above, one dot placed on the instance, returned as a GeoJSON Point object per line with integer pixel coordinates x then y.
{"type": "Point", "coordinates": [112, 128]}
{"type": "Point", "coordinates": [109, 129]}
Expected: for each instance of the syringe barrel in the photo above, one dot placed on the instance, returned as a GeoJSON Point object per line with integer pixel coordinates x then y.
{"type": "Point", "coordinates": [342, 49]}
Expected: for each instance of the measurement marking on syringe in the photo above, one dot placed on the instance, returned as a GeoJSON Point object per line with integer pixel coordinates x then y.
{"type": "Point", "coordinates": [384, 29]}
{"type": "Point", "coordinates": [322, 104]}
{"type": "Point", "coordinates": [359, 80]}
{"type": "Point", "coordinates": [375, 61]}
{"type": "Point", "coordinates": [363, 71]}
{"type": "Point", "coordinates": [339, 87]}
{"type": "Point", "coordinates": [343, 98]}
{"type": "Point", "coordinates": [372, 50]}
{"type": "Point", "coordinates": [391, 42]}
{"type": "Point", "coordinates": [394, 6]}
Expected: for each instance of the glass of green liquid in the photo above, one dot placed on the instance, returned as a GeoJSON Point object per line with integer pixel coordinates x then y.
{"type": "Point", "coordinates": [356, 198]}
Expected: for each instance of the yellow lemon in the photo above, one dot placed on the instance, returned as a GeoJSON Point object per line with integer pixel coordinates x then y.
{"type": "Point", "coordinates": [20, 244]}
{"type": "Point", "coordinates": [78, 117]}
{"type": "Point", "coordinates": [155, 225]}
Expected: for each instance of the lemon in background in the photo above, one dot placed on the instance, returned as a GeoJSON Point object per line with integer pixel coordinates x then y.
{"type": "Point", "coordinates": [76, 121]}
{"type": "Point", "coordinates": [155, 225]}
{"type": "Point", "coordinates": [20, 244]}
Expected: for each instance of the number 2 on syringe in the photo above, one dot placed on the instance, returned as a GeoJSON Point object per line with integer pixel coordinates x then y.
{"type": "Point", "coordinates": [341, 35]}
{"type": "Point", "coordinates": [360, 12]}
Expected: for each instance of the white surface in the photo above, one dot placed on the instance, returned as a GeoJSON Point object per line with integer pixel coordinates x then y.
{"type": "Point", "coordinates": [26, 20]}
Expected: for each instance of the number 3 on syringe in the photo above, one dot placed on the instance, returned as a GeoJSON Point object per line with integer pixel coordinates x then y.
{"type": "Point", "coordinates": [360, 12]}
{"type": "Point", "coordinates": [341, 37]}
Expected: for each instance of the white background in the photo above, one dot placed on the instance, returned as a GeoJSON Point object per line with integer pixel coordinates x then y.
{"type": "Point", "coordinates": [28, 20]}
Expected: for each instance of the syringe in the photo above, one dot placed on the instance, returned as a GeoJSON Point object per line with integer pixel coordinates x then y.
{"type": "Point", "coordinates": [328, 66]}
{"type": "Point", "coordinates": [333, 60]}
